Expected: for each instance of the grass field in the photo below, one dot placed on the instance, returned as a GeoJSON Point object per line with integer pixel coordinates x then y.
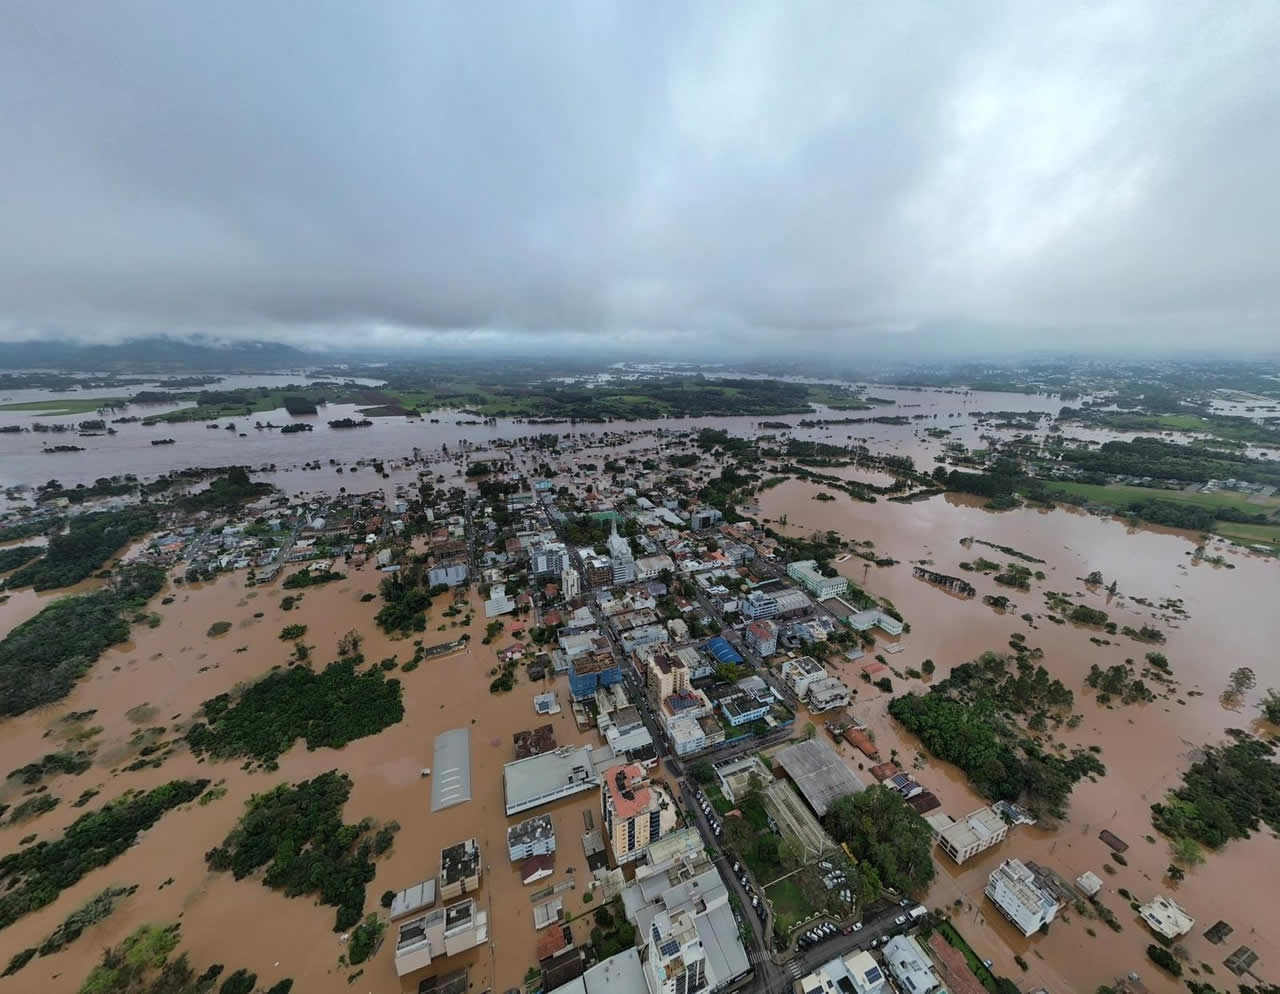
{"type": "Point", "coordinates": [789, 903]}
{"type": "Point", "coordinates": [66, 405]}
{"type": "Point", "coordinates": [1121, 495]}
{"type": "Point", "coordinates": [1247, 534]}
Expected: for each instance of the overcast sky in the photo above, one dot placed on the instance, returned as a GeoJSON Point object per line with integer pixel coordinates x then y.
{"type": "Point", "coordinates": [761, 176]}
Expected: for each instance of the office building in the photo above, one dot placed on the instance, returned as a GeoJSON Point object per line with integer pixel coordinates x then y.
{"type": "Point", "coordinates": [808, 575]}
{"type": "Point", "coordinates": [548, 559]}
{"type": "Point", "coordinates": [758, 605]}
{"type": "Point", "coordinates": [970, 835]}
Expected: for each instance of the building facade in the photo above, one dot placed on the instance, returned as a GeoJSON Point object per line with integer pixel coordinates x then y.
{"type": "Point", "coordinates": [758, 605]}
{"type": "Point", "coordinates": [621, 561]}
{"type": "Point", "coordinates": [972, 834]}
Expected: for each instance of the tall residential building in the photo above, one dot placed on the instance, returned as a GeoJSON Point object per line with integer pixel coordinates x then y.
{"type": "Point", "coordinates": [676, 961]}
{"type": "Point", "coordinates": [636, 812]}
{"type": "Point", "coordinates": [548, 559]}
{"type": "Point", "coordinates": [1021, 896]}
{"type": "Point", "coordinates": [624, 564]}
{"type": "Point", "coordinates": [570, 583]}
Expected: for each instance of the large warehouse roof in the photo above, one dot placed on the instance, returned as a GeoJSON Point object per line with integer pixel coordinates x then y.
{"type": "Point", "coordinates": [722, 650]}
{"type": "Point", "coordinates": [819, 773]}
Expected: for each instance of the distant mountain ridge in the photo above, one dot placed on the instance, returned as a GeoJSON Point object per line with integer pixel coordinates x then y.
{"type": "Point", "coordinates": [159, 353]}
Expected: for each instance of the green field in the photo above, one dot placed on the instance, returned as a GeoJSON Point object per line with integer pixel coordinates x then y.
{"type": "Point", "coordinates": [1118, 496]}
{"type": "Point", "coordinates": [1247, 534]}
{"type": "Point", "coordinates": [66, 405]}
{"type": "Point", "coordinates": [789, 903]}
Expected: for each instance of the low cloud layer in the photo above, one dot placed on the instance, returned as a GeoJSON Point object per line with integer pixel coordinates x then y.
{"type": "Point", "coordinates": [787, 177]}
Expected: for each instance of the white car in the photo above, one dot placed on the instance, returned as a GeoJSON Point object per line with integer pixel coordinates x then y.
{"type": "Point", "coordinates": [900, 920]}
{"type": "Point", "coordinates": [857, 926]}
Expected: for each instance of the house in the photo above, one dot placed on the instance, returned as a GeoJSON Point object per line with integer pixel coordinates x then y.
{"type": "Point", "coordinates": [453, 575]}
{"type": "Point", "coordinates": [827, 693]}
{"type": "Point", "coordinates": [1164, 917]}
{"type": "Point", "coordinates": [855, 973]}
{"type": "Point", "coordinates": [911, 967]}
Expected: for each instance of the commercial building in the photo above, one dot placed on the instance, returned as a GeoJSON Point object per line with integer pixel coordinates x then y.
{"type": "Point", "coordinates": [651, 567]}
{"type": "Point", "coordinates": [1021, 896]}
{"type": "Point", "coordinates": [570, 583]}
{"type": "Point", "coordinates": [621, 562]}
{"type": "Point", "coordinates": [451, 780]}
{"type": "Point", "coordinates": [599, 569]}
{"type": "Point", "coordinates": [911, 967]}
{"type": "Point", "coordinates": [758, 605]}
{"type": "Point", "coordinates": [530, 783]}
{"type": "Point", "coordinates": [704, 518]}
{"type": "Point", "coordinates": [449, 576]}
{"type": "Point", "coordinates": [642, 636]}
{"type": "Point", "coordinates": [620, 974]}
{"type": "Point", "coordinates": [798, 674]}
{"type": "Point", "coordinates": [974, 833]}
{"type": "Point", "coordinates": [636, 812]}
{"type": "Point", "coordinates": [1164, 917]}
{"type": "Point", "coordinates": [459, 869]}
{"type": "Point", "coordinates": [826, 694]}
{"type": "Point", "coordinates": [874, 618]}
{"type": "Point", "coordinates": [808, 575]}
{"type": "Point", "coordinates": [498, 602]}
{"type": "Point", "coordinates": [742, 709]}
{"type": "Point", "coordinates": [533, 837]}
{"type": "Point", "coordinates": [762, 637]}
{"type": "Point", "coordinates": [856, 973]}
{"type": "Point", "coordinates": [440, 932]}
{"type": "Point", "coordinates": [722, 651]}
{"type": "Point", "coordinates": [679, 904]}
{"type": "Point", "coordinates": [819, 774]}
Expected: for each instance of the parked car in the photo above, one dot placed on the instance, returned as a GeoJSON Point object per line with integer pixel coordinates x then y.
{"type": "Point", "coordinates": [857, 926]}
{"type": "Point", "coordinates": [900, 920]}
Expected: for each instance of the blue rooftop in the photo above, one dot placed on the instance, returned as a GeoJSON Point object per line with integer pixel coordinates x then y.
{"type": "Point", "coordinates": [722, 650]}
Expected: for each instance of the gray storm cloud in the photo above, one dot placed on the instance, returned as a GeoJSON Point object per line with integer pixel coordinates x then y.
{"type": "Point", "coordinates": [777, 175]}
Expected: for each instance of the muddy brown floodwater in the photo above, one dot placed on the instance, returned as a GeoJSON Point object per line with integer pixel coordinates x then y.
{"type": "Point", "coordinates": [1145, 747]}
{"type": "Point", "coordinates": [172, 669]}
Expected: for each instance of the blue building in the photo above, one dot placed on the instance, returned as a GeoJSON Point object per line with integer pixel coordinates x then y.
{"type": "Point", "coordinates": [723, 652]}
{"type": "Point", "coordinates": [586, 673]}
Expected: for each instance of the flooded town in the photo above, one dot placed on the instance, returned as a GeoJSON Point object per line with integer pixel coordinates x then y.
{"type": "Point", "coordinates": [614, 702]}
{"type": "Point", "coordinates": [618, 498]}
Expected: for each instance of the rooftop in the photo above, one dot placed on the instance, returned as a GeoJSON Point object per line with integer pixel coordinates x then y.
{"type": "Point", "coordinates": [527, 780]}
{"type": "Point", "coordinates": [979, 827]}
{"type": "Point", "coordinates": [530, 830]}
{"type": "Point", "coordinates": [628, 789]}
{"type": "Point", "coordinates": [460, 861]}
{"type": "Point", "coordinates": [451, 776]}
{"type": "Point", "coordinates": [819, 773]}
{"type": "Point", "coordinates": [415, 898]}
{"type": "Point", "coordinates": [533, 742]}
